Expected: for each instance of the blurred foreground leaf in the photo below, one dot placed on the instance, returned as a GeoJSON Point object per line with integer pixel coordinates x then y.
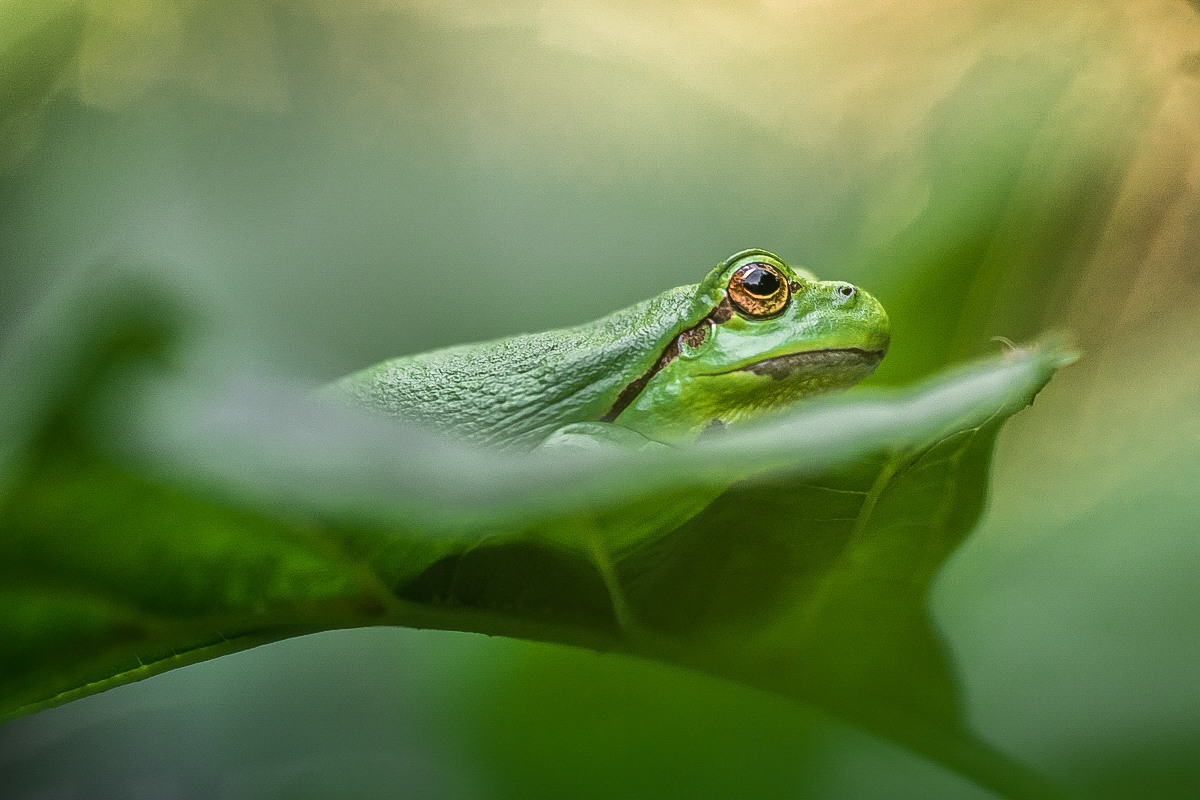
{"type": "Point", "coordinates": [151, 520]}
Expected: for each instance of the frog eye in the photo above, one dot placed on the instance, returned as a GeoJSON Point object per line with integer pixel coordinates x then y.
{"type": "Point", "coordinates": [759, 290]}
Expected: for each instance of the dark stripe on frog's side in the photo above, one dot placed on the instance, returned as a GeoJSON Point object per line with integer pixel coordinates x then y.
{"type": "Point", "coordinates": [633, 389]}
{"type": "Point", "coordinates": [723, 312]}
{"type": "Point", "coordinates": [693, 337]}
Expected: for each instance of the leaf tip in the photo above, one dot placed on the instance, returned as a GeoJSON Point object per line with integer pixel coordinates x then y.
{"type": "Point", "coordinates": [1053, 347]}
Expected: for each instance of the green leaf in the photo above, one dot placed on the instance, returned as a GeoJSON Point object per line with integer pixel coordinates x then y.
{"type": "Point", "coordinates": [151, 520]}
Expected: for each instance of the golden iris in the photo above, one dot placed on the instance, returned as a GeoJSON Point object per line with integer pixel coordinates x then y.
{"type": "Point", "coordinates": [758, 290]}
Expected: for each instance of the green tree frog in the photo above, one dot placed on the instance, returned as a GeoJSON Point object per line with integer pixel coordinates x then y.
{"type": "Point", "coordinates": [754, 335]}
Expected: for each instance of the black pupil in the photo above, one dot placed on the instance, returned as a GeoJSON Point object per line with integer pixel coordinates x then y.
{"type": "Point", "coordinates": [761, 282]}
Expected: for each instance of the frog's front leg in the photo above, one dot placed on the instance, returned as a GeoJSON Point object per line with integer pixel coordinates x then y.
{"type": "Point", "coordinates": [594, 436]}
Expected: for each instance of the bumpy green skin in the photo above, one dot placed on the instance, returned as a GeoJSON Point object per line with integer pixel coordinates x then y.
{"type": "Point", "coordinates": [524, 391]}
{"type": "Point", "coordinates": [517, 391]}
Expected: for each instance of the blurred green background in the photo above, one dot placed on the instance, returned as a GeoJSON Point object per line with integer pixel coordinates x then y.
{"type": "Point", "coordinates": [341, 182]}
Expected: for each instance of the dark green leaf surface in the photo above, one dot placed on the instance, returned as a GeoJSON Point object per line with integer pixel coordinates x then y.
{"type": "Point", "coordinates": [150, 521]}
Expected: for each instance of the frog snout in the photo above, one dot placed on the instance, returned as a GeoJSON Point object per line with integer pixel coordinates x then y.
{"type": "Point", "coordinates": [845, 295]}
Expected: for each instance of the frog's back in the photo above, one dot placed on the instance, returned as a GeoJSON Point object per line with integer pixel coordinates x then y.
{"type": "Point", "coordinates": [516, 391]}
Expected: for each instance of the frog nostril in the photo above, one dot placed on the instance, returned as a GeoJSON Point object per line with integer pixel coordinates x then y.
{"type": "Point", "coordinates": [847, 291]}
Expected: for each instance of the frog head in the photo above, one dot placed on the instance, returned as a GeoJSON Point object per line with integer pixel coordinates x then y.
{"type": "Point", "coordinates": [769, 336]}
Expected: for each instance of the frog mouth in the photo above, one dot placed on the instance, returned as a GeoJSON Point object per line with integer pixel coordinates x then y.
{"type": "Point", "coordinates": [839, 359]}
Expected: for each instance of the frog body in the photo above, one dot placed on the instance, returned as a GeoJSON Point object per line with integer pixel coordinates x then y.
{"type": "Point", "coordinates": [754, 335]}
